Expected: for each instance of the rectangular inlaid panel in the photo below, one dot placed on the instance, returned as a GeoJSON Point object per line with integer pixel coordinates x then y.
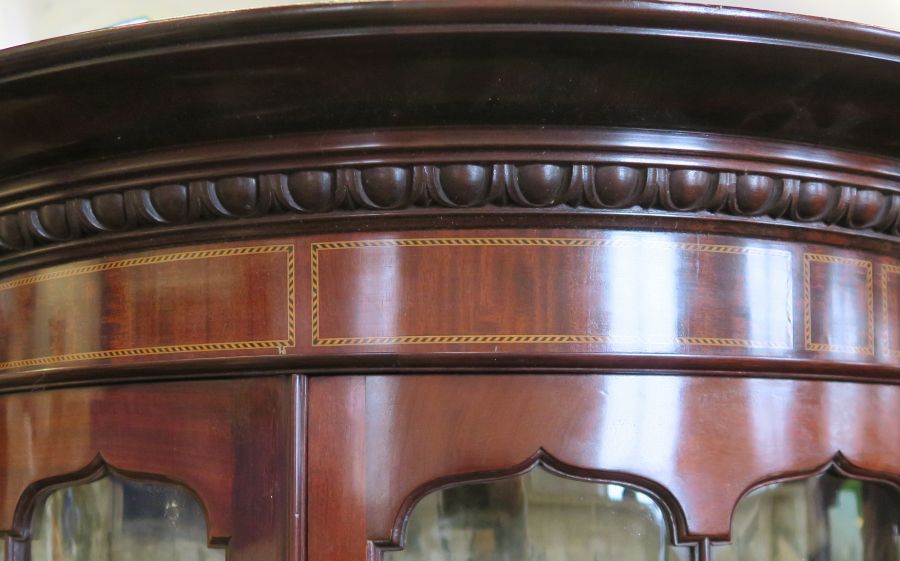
{"type": "Point", "coordinates": [890, 305]}
{"type": "Point", "coordinates": [224, 299]}
{"type": "Point", "coordinates": [635, 291]}
{"type": "Point", "coordinates": [839, 302]}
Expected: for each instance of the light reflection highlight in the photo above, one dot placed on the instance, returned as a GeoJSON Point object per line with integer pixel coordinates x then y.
{"type": "Point", "coordinates": [643, 292]}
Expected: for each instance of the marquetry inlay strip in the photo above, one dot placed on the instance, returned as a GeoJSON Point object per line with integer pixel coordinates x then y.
{"type": "Point", "coordinates": [316, 248]}
{"type": "Point", "coordinates": [811, 345]}
{"type": "Point", "coordinates": [278, 344]}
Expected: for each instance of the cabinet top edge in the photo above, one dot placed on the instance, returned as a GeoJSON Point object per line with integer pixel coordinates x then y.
{"type": "Point", "coordinates": [371, 17]}
{"type": "Point", "coordinates": [270, 72]}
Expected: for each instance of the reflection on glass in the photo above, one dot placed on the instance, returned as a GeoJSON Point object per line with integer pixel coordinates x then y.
{"type": "Point", "coordinates": [824, 518]}
{"type": "Point", "coordinates": [114, 519]}
{"type": "Point", "coordinates": [538, 517]}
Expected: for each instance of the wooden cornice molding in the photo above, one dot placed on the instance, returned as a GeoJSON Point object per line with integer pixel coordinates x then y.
{"type": "Point", "coordinates": [561, 187]}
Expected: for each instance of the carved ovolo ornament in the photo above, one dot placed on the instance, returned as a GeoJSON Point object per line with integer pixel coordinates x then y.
{"type": "Point", "coordinates": [593, 187]}
{"type": "Point", "coordinates": [676, 519]}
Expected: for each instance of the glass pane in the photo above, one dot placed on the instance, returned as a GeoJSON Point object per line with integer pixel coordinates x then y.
{"type": "Point", "coordinates": [114, 519]}
{"type": "Point", "coordinates": [824, 518]}
{"type": "Point", "coordinates": [540, 516]}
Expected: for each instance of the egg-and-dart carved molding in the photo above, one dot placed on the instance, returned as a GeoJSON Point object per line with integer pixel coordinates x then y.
{"type": "Point", "coordinates": [455, 186]}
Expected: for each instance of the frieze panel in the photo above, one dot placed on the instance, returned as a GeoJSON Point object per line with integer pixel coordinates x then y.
{"type": "Point", "coordinates": [574, 296]}
{"type": "Point", "coordinates": [191, 301]}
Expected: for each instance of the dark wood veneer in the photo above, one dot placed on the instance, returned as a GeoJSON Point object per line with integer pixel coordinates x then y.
{"type": "Point", "coordinates": [644, 64]}
{"type": "Point", "coordinates": [562, 292]}
{"type": "Point", "coordinates": [699, 444]}
{"type": "Point", "coordinates": [227, 441]}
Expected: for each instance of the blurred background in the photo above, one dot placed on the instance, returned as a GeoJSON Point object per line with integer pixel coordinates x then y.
{"type": "Point", "coordinates": [23, 21]}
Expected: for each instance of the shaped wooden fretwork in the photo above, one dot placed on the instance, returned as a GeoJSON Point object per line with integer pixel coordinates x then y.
{"type": "Point", "coordinates": [539, 516]}
{"type": "Point", "coordinates": [119, 519]}
{"type": "Point", "coordinates": [827, 517]}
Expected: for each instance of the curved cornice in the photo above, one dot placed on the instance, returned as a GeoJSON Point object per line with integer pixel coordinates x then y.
{"type": "Point", "coordinates": [361, 66]}
{"type": "Point", "coordinates": [376, 17]}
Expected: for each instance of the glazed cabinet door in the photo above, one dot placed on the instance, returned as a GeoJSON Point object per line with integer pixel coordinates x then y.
{"type": "Point", "coordinates": [596, 467]}
{"type": "Point", "coordinates": [178, 471]}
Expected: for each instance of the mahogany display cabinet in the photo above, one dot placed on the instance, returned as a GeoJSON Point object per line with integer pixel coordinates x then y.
{"type": "Point", "coordinates": [468, 281]}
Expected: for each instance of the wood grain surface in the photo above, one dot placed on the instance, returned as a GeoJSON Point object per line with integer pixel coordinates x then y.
{"type": "Point", "coordinates": [228, 442]}
{"type": "Point", "coordinates": [697, 444]}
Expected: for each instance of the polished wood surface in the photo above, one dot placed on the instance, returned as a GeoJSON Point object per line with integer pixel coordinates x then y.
{"type": "Point", "coordinates": [313, 263]}
{"type": "Point", "coordinates": [599, 295]}
{"type": "Point", "coordinates": [414, 179]}
{"type": "Point", "coordinates": [337, 469]}
{"type": "Point", "coordinates": [228, 442]}
{"type": "Point", "coordinates": [697, 444]}
{"type": "Point", "coordinates": [531, 62]}
{"type": "Point", "coordinates": [197, 300]}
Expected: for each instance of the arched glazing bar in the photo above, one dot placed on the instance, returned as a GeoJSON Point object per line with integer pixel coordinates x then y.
{"type": "Point", "coordinates": [114, 518]}
{"type": "Point", "coordinates": [539, 516]}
